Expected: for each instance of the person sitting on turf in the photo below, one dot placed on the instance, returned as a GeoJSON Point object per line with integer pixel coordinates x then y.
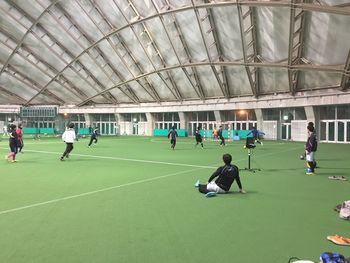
{"type": "Point", "coordinates": [172, 135]}
{"type": "Point", "coordinates": [226, 175]}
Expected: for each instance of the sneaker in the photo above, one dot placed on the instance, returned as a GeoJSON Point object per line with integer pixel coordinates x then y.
{"type": "Point", "coordinates": [339, 240]}
{"type": "Point", "coordinates": [210, 194]}
{"type": "Point", "coordinates": [61, 159]}
{"type": "Point", "coordinates": [14, 161]}
{"type": "Point", "coordinates": [341, 178]}
{"type": "Point", "coordinates": [196, 184]}
{"type": "Point", "coordinates": [310, 173]}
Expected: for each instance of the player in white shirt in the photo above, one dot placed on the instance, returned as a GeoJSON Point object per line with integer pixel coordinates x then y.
{"type": "Point", "coordinates": [68, 137]}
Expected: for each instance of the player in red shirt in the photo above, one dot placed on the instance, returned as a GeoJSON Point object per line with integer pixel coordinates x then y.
{"type": "Point", "coordinates": [19, 132]}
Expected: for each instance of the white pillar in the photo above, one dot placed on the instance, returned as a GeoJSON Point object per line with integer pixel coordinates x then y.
{"type": "Point", "coordinates": [150, 124]}
{"type": "Point", "coordinates": [88, 121]}
{"type": "Point", "coordinates": [119, 118]}
{"type": "Point", "coordinates": [183, 120]}
{"type": "Point", "coordinates": [313, 114]}
{"type": "Point", "coordinates": [217, 115]}
{"type": "Point", "coordinates": [259, 119]}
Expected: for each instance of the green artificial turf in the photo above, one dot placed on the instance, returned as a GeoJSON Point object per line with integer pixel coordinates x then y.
{"type": "Point", "coordinates": [132, 199]}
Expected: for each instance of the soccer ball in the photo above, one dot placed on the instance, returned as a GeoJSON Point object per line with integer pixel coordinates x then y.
{"type": "Point", "coordinates": [301, 157]}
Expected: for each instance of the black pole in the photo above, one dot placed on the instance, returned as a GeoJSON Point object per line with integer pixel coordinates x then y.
{"type": "Point", "coordinates": [248, 159]}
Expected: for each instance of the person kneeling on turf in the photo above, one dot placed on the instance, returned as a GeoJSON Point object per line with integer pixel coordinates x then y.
{"type": "Point", "coordinates": [226, 175]}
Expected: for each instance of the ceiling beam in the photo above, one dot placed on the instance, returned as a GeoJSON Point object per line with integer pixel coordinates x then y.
{"type": "Point", "coordinates": [178, 94]}
{"type": "Point", "coordinates": [131, 95]}
{"type": "Point", "coordinates": [5, 92]}
{"type": "Point", "coordinates": [108, 96]}
{"type": "Point", "coordinates": [245, 30]}
{"type": "Point", "coordinates": [345, 80]}
{"type": "Point", "coordinates": [172, 89]}
{"type": "Point", "coordinates": [211, 5]}
{"type": "Point", "coordinates": [196, 86]}
{"type": "Point", "coordinates": [25, 35]}
{"type": "Point", "coordinates": [55, 97]}
{"type": "Point", "coordinates": [218, 46]}
{"type": "Point", "coordinates": [149, 89]}
{"type": "Point", "coordinates": [213, 68]}
{"type": "Point", "coordinates": [278, 65]}
{"type": "Point", "coordinates": [12, 72]}
{"type": "Point", "coordinates": [296, 43]}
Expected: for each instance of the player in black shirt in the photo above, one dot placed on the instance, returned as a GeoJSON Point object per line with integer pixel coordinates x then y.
{"type": "Point", "coordinates": [222, 143]}
{"type": "Point", "coordinates": [310, 150]}
{"type": "Point", "coordinates": [13, 144]}
{"type": "Point", "coordinates": [225, 175]}
{"type": "Point", "coordinates": [172, 135]}
{"type": "Point", "coordinates": [199, 139]}
{"type": "Point", "coordinates": [93, 137]}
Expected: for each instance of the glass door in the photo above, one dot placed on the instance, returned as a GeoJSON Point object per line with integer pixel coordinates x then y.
{"type": "Point", "coordinates": [286, 131]}
{"type": "Point", "coordinates": [341, 131]}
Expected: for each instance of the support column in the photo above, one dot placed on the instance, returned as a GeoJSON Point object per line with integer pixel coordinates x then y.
{"type": "Point", "coordinates": [150, 124]}
{"type": "Point", "coordinates": [259, 119]}
{"type": "Point", "coordinates": [313, 114]}
{"type": "Point", "coordinates": [217, 115]}
{"type": "Point", "coordinates": [183, 120]}
{"type": "Point", "coordinates": [88, 120]}
{"type": "Point", "coordinates": [118, 119]}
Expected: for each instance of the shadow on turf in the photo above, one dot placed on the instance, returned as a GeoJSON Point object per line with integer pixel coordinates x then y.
{"type": "Point", "coordinates": [238, 193]}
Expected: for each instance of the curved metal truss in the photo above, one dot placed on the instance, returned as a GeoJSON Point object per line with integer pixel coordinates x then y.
{"type": "Point", "coordinates": [131, 52]}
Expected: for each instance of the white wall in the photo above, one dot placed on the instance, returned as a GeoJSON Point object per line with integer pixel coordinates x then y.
{"type": "Point", "coordinates": [142, 128]}
{"type": "Point", "coordinates": [298, 130]}
{"type": "Point", "coordinates": [2, 124]}
{"type": "Point", "coordinates": [125, 128]}
{"type": "Point", "coordinates": [271, 130]}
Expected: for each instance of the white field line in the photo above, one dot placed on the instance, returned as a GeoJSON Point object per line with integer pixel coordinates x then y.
{"type": "Point", "coordinates": [123, 159]}
{"type": "Point", "coordinates": [123, 185]}
{"type": "Point", "coordinates": [93, 192]}
{"type": "Point", "coordinates": [228, 143]}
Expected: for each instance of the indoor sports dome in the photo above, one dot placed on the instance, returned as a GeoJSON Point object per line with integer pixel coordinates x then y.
{"type": "Point", "coordinates": [130, 67]}
{"type": "Point", "coordinates": [130, 71]}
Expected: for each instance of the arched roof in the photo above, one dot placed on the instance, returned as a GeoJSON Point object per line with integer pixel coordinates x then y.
{"type": "Point", "coordinates": [83, 52]}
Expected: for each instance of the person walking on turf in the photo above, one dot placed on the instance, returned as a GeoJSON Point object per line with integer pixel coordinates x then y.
{"type": "Point", "coordinates": [199, 138]}
{"type": "Point", "coordinates": [172, 135]}
{"type": "Point", "coordinates": [93, 137]}
{"type": "Point", "coordinates": [225, 175]}
{"type": "Point", "coordinates": [310, 149]}
{"type": "Point", "coordinates": [256, 135]}
{"type": "Point", "coordinates": [222, 143]}
{"type": "Point", "coordinates": [19, 132]}
{"type": "Point", "coordinates": [12, 144]}
{"type": "Point", "coordinates": [68, 137]}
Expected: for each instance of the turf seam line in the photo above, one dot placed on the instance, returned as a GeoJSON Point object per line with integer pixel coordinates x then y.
{"type": "Point", "coordinates": [94, 192]}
